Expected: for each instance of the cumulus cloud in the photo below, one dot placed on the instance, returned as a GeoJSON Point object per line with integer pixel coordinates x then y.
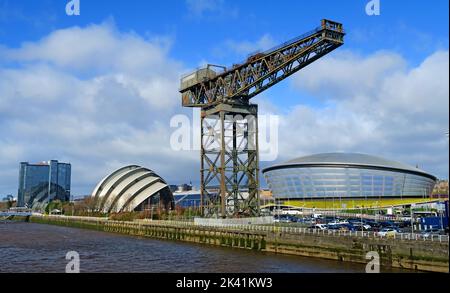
{"type": "Point", "coordinates": [101, 98]}
{"type": "Point", "coordinates": [246, 47]}
{"type": "Point", "coordinates": [92, 96]}
{"type": "Point", "coordinates": [373, 104]}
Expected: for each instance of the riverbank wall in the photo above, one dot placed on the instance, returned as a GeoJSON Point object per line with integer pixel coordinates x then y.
{"type": "Point", "coordinates": [397, 253]}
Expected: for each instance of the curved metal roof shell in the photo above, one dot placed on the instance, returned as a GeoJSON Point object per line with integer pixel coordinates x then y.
{"type": "Point", "coordinates": [127, 187]}
{"type": "Point", "coordinates": [349, 160]}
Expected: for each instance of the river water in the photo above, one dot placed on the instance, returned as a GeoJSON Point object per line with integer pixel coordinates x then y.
{"type": "Point", "coordinates": [28, 247]}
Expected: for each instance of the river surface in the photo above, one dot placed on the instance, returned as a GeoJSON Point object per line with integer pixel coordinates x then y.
{"type": "Point", "coordinates": [28, 247]}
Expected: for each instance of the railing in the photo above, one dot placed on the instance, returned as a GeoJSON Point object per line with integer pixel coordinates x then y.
{"type": "Point", "coordinates": [267, 229]}
{"type": "Point", "coordinates": [287, 43]}
{"type": "Point", "coordinates": [8, 214]}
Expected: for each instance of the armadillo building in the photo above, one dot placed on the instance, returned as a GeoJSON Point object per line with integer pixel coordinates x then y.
{"type": "Point", "coordinates": [347, 175]}
{"type": "Point", "coordinates": [132, 188]}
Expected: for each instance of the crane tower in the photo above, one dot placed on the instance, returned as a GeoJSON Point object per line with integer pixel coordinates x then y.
{"type": "Point", "coordinates": [229, 166]}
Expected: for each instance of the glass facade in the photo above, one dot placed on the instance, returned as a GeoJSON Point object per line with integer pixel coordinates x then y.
{"type": "Point", "coordinates": [43, 182]}
{"type": "Point", "coordinates": [345, 181]}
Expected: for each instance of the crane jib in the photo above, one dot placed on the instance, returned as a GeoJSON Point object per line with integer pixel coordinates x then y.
{"type": "Point", "coordinates": [206, 87]}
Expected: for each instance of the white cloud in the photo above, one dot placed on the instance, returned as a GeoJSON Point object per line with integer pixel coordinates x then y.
{"type": "Point", "coordinates": [216, 8]}
{"type": "Point", "coordinates": [246, 47]}
{"type": "Point", "coordinates": [93, 96]}
{"type": "Point", "coordinates": [376, 105]}
{"type": "Point", "coordinates": [96, 47]}
{"type": "Point", "coordinates": [100, 98]}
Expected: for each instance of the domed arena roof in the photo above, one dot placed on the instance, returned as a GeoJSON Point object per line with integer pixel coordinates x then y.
{"type": "Point", "coordinates": [128, 188]}
{"type": "Point", "coordinates": [349, 160]}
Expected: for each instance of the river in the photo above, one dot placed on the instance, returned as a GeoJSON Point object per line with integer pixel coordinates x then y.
{"type": "Point", "coordinates": [28, 247]}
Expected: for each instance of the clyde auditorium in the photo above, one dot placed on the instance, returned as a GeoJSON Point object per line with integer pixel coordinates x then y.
{"type": "Point", "coordinates": [132, 188]}
{"type": "Point", "coordinates": [347, 175]}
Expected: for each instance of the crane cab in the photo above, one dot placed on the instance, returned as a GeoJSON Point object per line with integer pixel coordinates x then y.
{"type": "Point", "coordinates": [332, 30]}
{"type": "Point", "coordinates": [196, 77]}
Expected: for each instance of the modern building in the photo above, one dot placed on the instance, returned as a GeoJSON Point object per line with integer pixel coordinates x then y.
{"type": "Point", "coordinates": [441, 187]}
{"type": "Point", "coordinates": [43, 182]}
{"type": "Point", "coordinates": [187, 198]}
{"type": "Point", "coordinates": [8, 197]}
{"type": "Point", "coordinates": [347, 175]}
{"type": "Point", "coordinates": [132, 188]}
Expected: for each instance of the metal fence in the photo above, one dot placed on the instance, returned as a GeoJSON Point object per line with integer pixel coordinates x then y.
{"type": "Point", "coordinates": [299, 230]}
{"type": "Point", "coordinates": [275, 229]}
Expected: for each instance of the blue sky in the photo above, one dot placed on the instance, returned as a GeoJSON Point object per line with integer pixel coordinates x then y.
{"type": "Point", "coordinates": [199, 30]}
{"type": "Point", "coordinates": [406, 43]}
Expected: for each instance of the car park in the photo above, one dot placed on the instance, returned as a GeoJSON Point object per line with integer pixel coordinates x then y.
{"type": "Point", "coordinates": [285, 219]}
{"type": "Point", "coordinates": [333, 227]}
{"type": "Point", "coordinates": [387, 232]}
{"type": "Point", "coordinates": [319, 227]}
{"type": "Point", "coordinates": [362, 227]}
{"type": "Point", "coordinates": [338, 222]}
{"type": "Point", "coordinates": [430, 233]}
{"type": "Point", "coordinates": [346, 227]}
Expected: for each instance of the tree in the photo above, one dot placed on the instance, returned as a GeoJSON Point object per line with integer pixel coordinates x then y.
{"type": "Point", "coordinates": [53, 205]}
{"type": "Point", "coordinates": [9, 203]}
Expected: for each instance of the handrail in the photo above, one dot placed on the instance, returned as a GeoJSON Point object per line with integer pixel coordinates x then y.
{"type": "Point", "coordinates": [267, 228]}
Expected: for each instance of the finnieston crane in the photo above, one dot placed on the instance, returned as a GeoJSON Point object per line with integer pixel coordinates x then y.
{"type": "Point", "coordinates": [229, 125]}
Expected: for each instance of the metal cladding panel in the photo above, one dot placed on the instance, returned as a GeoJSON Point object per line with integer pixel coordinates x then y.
{"type": "Point", "coordinates": [39, 199]}
{"type": "Point", "coordinates": [116, 191]}
{"type": "Point", "coordinates": [349, 159]}
{"type": "Point", "coordinates": [143, 195]}
{"type": "Point", "coordinates": [122, 184]}
{"type": "Point", "coordinates": [98, 189]}
{"type": "Point", "coordinates": [346, 182]}
{"type": "Point", "coordinates": [125, 196]}
{"type": "Point", "coordinates": [105, 195]}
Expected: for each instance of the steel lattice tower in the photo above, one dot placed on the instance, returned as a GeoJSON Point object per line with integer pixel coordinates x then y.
{"type": "Point", "coordinates": [229, 122]}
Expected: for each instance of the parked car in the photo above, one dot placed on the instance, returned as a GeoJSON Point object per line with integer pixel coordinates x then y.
{"type": "Point", "coordinates": [292, 212]}
{"type": "Point", "coordinates": [318, 227]}
{"type": "Point", "coordinates": [306, 221]}
{"type": "Point", "coordinates": [387, 232]}
{"type": "Point", "coordinates": [339, 222]}
{"type": "Point", "coordinates": [362, 227]}
{"type": "Point", "coordinates": [346, 227]}
{"type": "Point", "coordinates": [333, 227]}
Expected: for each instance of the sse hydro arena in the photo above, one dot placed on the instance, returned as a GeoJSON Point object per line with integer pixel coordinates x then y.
{"type": "Point", "coordinates": [347, 175]}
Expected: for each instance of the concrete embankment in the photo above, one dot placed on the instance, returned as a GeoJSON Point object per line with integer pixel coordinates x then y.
{"type": "Point", "coordinates": [408, 254]}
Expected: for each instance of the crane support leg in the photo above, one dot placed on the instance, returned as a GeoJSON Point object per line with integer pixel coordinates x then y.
{"type": "Point", "coordinates": [229, 161]}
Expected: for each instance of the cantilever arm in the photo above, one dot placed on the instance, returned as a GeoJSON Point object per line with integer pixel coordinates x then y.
{"type": "Point", "coordinates": [263, 70]}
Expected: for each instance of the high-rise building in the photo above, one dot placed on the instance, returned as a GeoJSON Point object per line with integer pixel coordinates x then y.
{"type": "Point", "coordinates": [43, 182]}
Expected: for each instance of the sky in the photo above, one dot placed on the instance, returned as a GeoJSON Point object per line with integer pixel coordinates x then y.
{"type": "Point", "coordinates": [99, 89]}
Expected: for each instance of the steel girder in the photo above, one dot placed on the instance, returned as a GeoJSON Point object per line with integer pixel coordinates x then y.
{"type": "Point", "coordinates": [229, 161]}
{"type": "Point", "coordinates": [242, 82]}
